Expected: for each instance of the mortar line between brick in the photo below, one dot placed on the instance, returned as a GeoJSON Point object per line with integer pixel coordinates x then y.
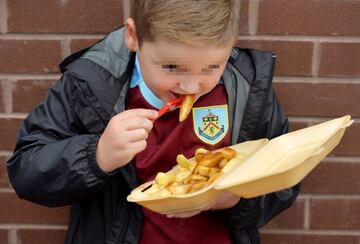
{"type": "Point", "coordinates": [13, 116]}
{"type": "Point", "coordinates": [253, 16]}
{"type": "Point", "coordinates": [29, 76]}
{"type": "Point", "coordinates": [319, 196]}
{"type": "Point", "coordinates": [6, 190]}
{"type": "Point", "coordinates": [3, 16]}
{"type": "Point", "coordinates": [126, 9]}
{"type": "Point", "coordinates": [315, 59]}
{"type": "Point", "coordinates": [300, 38]}
{"type": "Point", "coordinates": [312, 120]}
{"type": "Point", "coordinates": [60, 36]}
{"type": "Point", "coordinates": [7, 96]}
{"type": "Point", "coordinates": [4, 153]}
{"type": "Point", "coordinates": [12, 236]}
{"type": "Point", "coordinates": [33, 226]}
{"type": "Point", "coordinates": [315, 80]}
{"type": "Point", "coordinates": [64, 2]}
{"type": "Point", "coordinates": [65, 48]}
{"type": "Point", "coordinates": [343, 159]}
{"type": "Point", "coordinates": [311, 232]}
{"type": "Point", "coordinates": [307, 214]}
{"type": "Point", "coordinates": [45, 36]}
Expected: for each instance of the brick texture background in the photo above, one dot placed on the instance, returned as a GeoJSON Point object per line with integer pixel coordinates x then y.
{"type": "Point", "coordinates": [317, 78]}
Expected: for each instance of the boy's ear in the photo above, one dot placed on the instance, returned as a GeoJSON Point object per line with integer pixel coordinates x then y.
{"type": "Point", "coordinates": [131, 40]}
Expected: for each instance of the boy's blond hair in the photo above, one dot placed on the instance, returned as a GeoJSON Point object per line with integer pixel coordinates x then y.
{"type": "Point", "coordinates": [194, 22]}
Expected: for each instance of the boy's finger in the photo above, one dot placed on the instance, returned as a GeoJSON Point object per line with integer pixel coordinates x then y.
{"type": "Point", "coordinates": [136, 147]}
{"type": "Point", "coordinates": [137, 135]}
{"type": "Point", "coordinates": [139, 112]}
{"type": "Point", "coordinates": [137, 123]}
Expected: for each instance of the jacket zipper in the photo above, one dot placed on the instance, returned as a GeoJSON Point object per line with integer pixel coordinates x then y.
{"type": "Point", "coordinates": [121, 238]}
{"type": "Point", "coordinates": [267, 93]}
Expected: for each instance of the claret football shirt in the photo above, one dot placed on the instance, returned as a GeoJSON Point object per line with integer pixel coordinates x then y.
{"type": "Point", "coordinates": [207, 126]}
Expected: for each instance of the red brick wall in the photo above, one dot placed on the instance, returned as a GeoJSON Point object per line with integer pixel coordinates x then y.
{"type": "Point", "coordinates": [317, 78]}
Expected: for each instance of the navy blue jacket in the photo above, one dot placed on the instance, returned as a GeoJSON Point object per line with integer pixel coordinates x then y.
{"type": "Point", "coordinates": [54, 162]}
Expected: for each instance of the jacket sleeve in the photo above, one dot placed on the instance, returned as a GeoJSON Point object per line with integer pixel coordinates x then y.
{"type": "Point", "coordinates": [53, 163]}
{"type": "Point", "coordinates": [256, 212]}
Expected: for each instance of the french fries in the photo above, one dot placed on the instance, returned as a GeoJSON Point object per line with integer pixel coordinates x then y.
{"type": "Point", "coordinates": [195, 174]}
{"type": "Point", "coordinates": [184, 162]}
{"type": "Point", "coordinates": [165, 179]}
{"type": "Point", "coordinates": [186, 107]}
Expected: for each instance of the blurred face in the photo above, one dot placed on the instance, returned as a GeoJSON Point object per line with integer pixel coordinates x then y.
{"type": "Point", "coordinates": [171, 69]}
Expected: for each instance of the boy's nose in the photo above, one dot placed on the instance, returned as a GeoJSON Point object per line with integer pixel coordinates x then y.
{"type": "Point", "coordinates": [190, 85]}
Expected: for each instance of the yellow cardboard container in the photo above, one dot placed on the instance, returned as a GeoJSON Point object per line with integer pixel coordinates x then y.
{"type": "Point", "coordinates": [269, 166]}
{"type": "Point", "coordinates": [189, 201]}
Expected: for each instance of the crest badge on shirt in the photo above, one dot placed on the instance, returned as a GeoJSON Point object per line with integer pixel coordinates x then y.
{"type": "Point", "coordinates": [211, 123]}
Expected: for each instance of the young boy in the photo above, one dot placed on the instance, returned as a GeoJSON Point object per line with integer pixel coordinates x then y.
{"type": "Point", "coordinates": [97, 135]}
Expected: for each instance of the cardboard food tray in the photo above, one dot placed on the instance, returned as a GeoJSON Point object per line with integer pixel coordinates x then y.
{"type": "Point", "coordinates": [269, 166]}
{"type": "Point", "coordinates": [190, 201]}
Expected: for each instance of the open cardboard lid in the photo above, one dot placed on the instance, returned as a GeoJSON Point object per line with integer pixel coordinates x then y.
{"type": "Point", "coordinates": [285, 160]}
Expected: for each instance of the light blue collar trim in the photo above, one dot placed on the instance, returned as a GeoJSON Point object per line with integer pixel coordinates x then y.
{"type": "Point", "coordinates": [137, 79]}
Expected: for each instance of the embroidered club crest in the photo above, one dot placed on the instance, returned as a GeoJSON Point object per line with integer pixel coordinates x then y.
{"type": "Point", "coordinates": [211, 123]}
